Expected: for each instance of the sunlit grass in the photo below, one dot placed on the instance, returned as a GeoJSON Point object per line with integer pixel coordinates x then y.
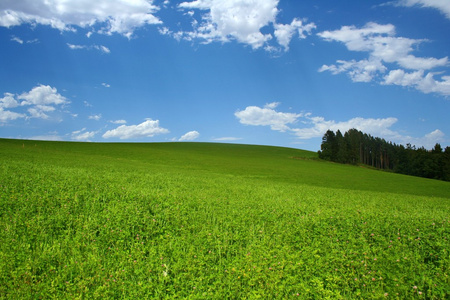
{"type": "Point", "coordinates": [80, 220]}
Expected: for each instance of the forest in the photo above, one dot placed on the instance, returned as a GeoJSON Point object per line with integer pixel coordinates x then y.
{"type": "Point", "coordinates": [356, 147]}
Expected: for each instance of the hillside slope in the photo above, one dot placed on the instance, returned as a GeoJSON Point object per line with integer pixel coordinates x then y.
{"type": "Point", "coordinates": [214, 221]}
{"type": "Point", "coordinates": [264, 162]}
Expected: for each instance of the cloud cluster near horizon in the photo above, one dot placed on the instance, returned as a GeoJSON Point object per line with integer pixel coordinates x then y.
{"type": "Point", "coordinates": [307, 126]}
{"type": "Point", "coordinates": [43, 99]}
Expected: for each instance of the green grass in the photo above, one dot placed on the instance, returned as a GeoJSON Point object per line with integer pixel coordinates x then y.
{"type": "Point", "coordinates": [214, 221]}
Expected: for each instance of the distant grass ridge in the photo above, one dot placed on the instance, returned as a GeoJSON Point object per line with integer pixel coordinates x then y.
{"type": "Point", "coordinates": [206, 220]}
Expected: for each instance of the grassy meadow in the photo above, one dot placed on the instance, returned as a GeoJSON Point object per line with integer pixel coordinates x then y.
{"type": "Point", "coordinates": [214, 221]}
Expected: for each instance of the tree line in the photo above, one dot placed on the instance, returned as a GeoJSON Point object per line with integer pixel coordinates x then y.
{"type": "Point", "coordinates": [355, 147]}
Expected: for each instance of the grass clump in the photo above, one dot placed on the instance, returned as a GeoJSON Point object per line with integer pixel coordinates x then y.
{"type": "Point", "coordinates": [188, 220]}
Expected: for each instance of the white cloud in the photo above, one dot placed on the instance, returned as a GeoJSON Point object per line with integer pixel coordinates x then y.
{"type": "Point", "coordinates": [285, 32]}
{"type": "Point", "coordinates": [266, 116]}
{"type": "Point", "coordinates": [118, 122]}
{"type": "Point", "coordinates": [16, 39]}
{"type": "Point", "coordinates": [227, 138]}
{"type": "Point", "coordinates": [42, 95]}
{"type": "Point", "coordinates": [50, 137]}
{"type": "Point", "coordinates": [148, 128]}
{"type": "Point", "coordinates": [40, 100]}
{"type": "Point", "coordinates": [83, 135]}
{"type": "Point", "coordinates": [115, 16]}
{"type": "Point", "coordinates": [6, 115]}
{"type": "Point", "coordinates": [76, 47]}
{"type": "Point", "coordinates": [95, 117]}
{"type": "Point", "coordinates": [106, 85]}
{"type": "Point", "coordinates": [425, 83]}
{"type": "Point", "coordinates": [359, 71]}
{"type": "Point", "coordinates": [382, 44]}
{"type": "Point", "coordinates": [38, 111]}
{"type": "Point", "coordinates": [190, 136]}
{"type": "Point", "coordinates": [85, 47]}
{"type": "Point", "coordinates": [318, 126]}
{"type": "Point", "coordinates": [384, 48]}
{"type": "Point", "coordinates": [442, 5]}
{"type": "Point", "coordinates": [20, 41]}
{"type": "Point", "coordinates": [8, 101]}
{"type": "Point", "coordinates": [237, 19]}
{"type": "Point", "coordinates": [102, 49]}
{"type": "Point", "coordinates": [430, 139]}
{"type": "Point", "coordinates": [315, 126]}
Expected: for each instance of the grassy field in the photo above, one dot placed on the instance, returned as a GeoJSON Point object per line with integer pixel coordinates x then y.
{"type": "Point", "coordinates": [214, 221]}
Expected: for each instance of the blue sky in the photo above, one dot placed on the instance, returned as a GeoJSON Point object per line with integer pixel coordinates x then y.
{"type": "Point", "coordinates": [269, 72]}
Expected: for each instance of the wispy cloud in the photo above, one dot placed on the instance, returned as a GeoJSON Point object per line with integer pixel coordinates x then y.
{"type": "Point", "coordinates": [118, 122]}
{"type": "Point", "coordinates": [190, 136]}
{"type": "Point", "coordinates": [95, 117]}
{"type": "Point", "coordinates": [21, 41]}
{"type": "Point", "coordinates": [100, 48]}
{"type": "Point", "coordinates": [442, 5]}
{"type": "Point", "coordinates": [227, 139]}
{"type": "Point", "coordinates": [16, 39]}
{"type": "Point", "coordinates": [83, 135]}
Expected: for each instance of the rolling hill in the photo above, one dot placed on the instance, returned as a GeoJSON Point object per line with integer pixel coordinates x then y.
{"type": "Point", "coordinates": [206, 220]}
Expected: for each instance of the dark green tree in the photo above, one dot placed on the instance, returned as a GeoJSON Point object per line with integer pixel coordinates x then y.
{"type": "Point", "coordinates": [328, 147]}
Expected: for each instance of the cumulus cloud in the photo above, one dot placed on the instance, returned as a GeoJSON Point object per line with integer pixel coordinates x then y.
{"type": "Point", "coordinates": [43, 95]}
{"type": "Point", "coordinates": [239, 20]}
{"type": "Point", "coordinates": [441, 5]}
{"type": "Point", "coordinates": [190, 136]}
{"type": "Point", "coordinates": [39, 101]}
{"type": "Point", "coordinates": [8, 101]}
{"type": "Point", "coordinates": [285, 32]}
{"type": "Point", "coordinates": [306, 126]}
{"type": "Point", "coordinates": [266, 116]}
{"type": "Point", "coordinates": [384, 49]}
{"type": "Point", "coordinates": [113, 16]}
{"type": "Point", "coordinates": [425, 83]}
{"type": "Point", "coordinates": [42, 99]}
{"type": "Point", "coordinates": [148, 128]}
